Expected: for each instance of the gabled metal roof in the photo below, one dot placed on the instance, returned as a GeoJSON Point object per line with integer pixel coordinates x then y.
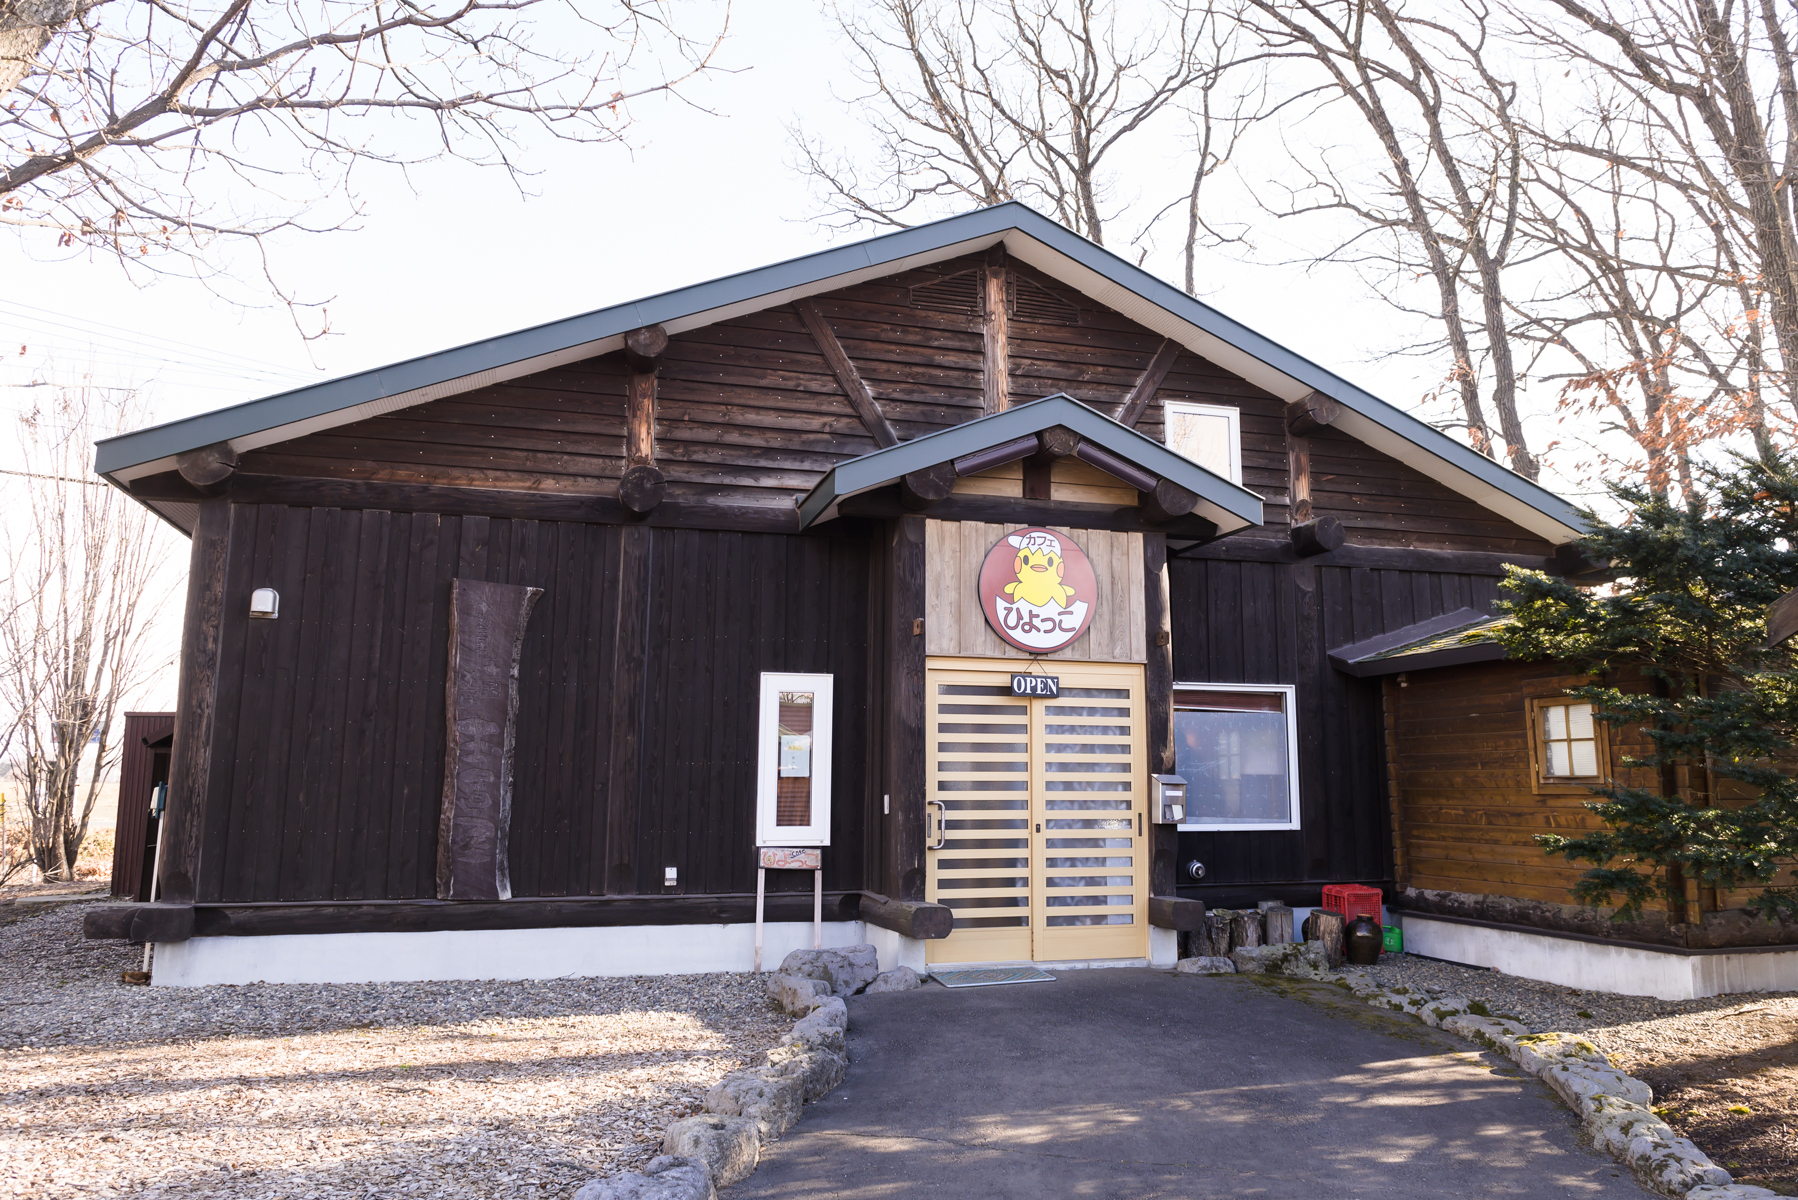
{"type": "Point", "coordinates": [1221, 502]}
{"type": "Point", "coordinates": [1027, 235]}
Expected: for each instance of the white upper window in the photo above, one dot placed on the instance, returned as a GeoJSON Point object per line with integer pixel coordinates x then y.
{"type": "Point", "coordinates": [1209, 434]}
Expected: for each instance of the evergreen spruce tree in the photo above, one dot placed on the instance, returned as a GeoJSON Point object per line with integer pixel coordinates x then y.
{"type": "Point", "coordinates": [1686, 616]}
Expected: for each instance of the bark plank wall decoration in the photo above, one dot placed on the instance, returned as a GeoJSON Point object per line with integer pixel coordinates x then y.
{"type": "Point", "coordinates": [486, 634]}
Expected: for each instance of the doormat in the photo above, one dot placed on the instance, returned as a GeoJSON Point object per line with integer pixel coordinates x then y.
{"type": "Point", "coordinates": [988, 976]}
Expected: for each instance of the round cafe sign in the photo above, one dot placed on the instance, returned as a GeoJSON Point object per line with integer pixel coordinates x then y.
{"type": "Point", "coordinates": [1037, 590]}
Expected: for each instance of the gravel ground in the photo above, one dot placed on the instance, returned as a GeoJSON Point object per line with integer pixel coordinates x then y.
{"type": "Point", "coordinates": [322, 1091]}
{"type": "Point", "coordinates": [1724, 1070]}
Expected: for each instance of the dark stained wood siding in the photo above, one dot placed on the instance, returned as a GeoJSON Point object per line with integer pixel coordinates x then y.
{"type": "Point", "coordinates": [328, 752]}
{"type": "Point", "coordinates": [1246, 622]}
{"type": "Point", "coordinates": [141, 768]}
{"type": "Point", "coordinates": [750, 414]}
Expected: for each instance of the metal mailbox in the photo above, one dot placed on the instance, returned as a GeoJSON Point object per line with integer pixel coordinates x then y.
{"type": "Point", "coordinates": [1169, 806]}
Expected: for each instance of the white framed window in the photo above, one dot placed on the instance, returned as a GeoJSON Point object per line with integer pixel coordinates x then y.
{"type": "Point", "coordinates": [1209, 434]}
{"type": "Point", "coordinates": [792, 761]}
{"type": "Point", "coordinates": [1237, 747]}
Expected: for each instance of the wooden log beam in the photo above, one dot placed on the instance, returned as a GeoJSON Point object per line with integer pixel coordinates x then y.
{"type": "Point", "coordinates": [910, 918]}
{"type": "Point", "coordinates": [1058, 442]}
{"type": "Point", "coordinates": [1148, 383]}
{"type": "Point", "coordinates": [1318, 536]}
{"type": "Point", "coordinates": [641, 488]}
{"type": "Point", "coordinates": [996, 456]}
{"type": "Point", "coordinates": [1310, 413]}
{"type": "Point", "coordinates": [1578, 564]}
{"type": "Point", "coordinates": [920, 489]}
{"type": "Point", "coordinates": [1097, 456]}
{"type": "Point", "coordinates": [1177, 912]}
{"type": "Point", "coordinates": [848, 378]}
{"type": "Point", "coordinates": [996, 338]}
{"type": "Point", "coordinates": [486, 635]}
{"type": "Point", "coordinates": [209, 468]}
{"type": "Point", "coordinates": [643, 348]}
{"type": "Point", "coordinates": [1166, 501]}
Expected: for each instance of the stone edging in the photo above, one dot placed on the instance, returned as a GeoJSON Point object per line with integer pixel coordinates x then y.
{"type": "Point", "coordinates": [1613, 1107]}
{"type": "Point", "coordinates": [752, 1107]}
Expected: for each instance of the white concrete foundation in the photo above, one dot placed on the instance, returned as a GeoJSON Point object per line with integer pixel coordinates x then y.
{"type": "Point", "coordinates": [507, 954]}
{"type": "Point", "coordinates": [1164, 947]}
{"type": "Point", "coordinates": [1631, 970]}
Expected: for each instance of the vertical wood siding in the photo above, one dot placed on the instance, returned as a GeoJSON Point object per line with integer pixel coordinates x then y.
{"type": "Point", "coordinates": [1242, 622]}
{"type": "Point", "coordinates": [327, 762]}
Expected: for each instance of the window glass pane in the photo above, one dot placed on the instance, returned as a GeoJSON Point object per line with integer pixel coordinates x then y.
{"type": "Point", "coordinates": [1585, 758]}
{"type": "Point", "coordinates": [1579, 720]}
{"type": "Point", "coordinates": [1203, 437]}
{"type": "Point", "coordinates": [1554, 720]}
{"type": "Point", "coordinates": [1235, 766]}
{"type": "Point", "coordinates": [793, 787]}
{"type": "Point", "coordinates": [1558, 762]}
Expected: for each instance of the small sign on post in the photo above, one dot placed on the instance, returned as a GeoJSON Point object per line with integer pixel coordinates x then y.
{"type": "Point", "coordinates": [1046, 687]}
{"type": "Point", "coordinates": [783, 858]}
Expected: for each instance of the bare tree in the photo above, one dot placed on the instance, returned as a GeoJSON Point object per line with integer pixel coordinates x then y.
{"type": "Point", "coordinates": [1645, 331]}
{"type": "Point", "coordinates": [1706, 117]}
{"type": "Point", "coordinates": [1434, 192]}
{"type": "Point", "coordinates": [165, 131]}
{"type": "Point", "coordinates": [76, 615]}
{"type": "Point", "coordinates": [982, 101]}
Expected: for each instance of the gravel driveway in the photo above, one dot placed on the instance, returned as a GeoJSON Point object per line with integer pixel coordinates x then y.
{"type": "Point", "coordinates": [322, 1091]}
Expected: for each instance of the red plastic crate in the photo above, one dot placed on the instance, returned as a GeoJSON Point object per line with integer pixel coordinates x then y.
{"type": "Point", "coordinates": [1352, 900]}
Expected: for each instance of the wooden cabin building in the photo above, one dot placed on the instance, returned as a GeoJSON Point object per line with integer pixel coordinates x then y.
{"type": "Point", "coordinates": [938, 557]}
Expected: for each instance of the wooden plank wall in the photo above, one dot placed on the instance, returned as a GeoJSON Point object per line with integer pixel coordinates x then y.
{"type": "Point", "coordinates": [1241, 622]}
{"type": "Point", "coordinates": [326, 770]}
{"type": "Point", "coordinates": [956, 625]}
{"type": "Point", "coordinates": [139, 773]}
{"type": "Point", "coordinates": [749, 413]}
{"type": "Point", "coordinates": [1467, 811]}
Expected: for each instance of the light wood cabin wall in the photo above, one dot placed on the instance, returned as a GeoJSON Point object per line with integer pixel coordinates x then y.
{"type": "Point", "coordinates": [1459, 766]}
{"type": "Point", "coordinates": [955, 625]}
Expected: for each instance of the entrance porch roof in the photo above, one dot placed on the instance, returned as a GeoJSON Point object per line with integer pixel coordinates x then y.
{"type": "Point", "coordinates": [1102, 442]}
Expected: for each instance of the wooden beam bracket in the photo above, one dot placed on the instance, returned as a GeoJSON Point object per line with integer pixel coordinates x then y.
{"type": "Point", "coordinates": [848, 378]}
{"type": "Point", "coordinates": [1148, 383]}
{"type": "Point", "coordinates": [920, 489]}
{"type": "Point", "coordinates": [1165, 501]}
{"type": "Point", "coordinates": [909, 918]}
{"type": "Point", "coordinates": [1318, 536]}
{"type": "Point", "coordinates": [1176, 912]}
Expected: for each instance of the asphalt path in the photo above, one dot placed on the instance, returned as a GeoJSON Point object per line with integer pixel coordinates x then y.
{"type": "Point", "coordinates": [1140, 1084]}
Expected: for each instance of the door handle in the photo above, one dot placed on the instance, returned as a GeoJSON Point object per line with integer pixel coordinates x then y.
{"type": "Point", "coordinates": [942, 817]}
{"type": "Point", "coordinates": [1138, 824]}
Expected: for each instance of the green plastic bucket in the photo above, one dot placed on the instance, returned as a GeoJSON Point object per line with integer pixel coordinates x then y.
{"type": "Point", "coordinates": [1393, 939]}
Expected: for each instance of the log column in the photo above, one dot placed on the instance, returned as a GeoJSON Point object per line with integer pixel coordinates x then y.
{"type": "Point", "coordinates": [196, 692]}
{"type": "Point", "coordinates": [643, 484]}
{"type": "Point", "coordinates": [905, 726]}
{"type": "Point", "coordinates": [1158, 704]}
{"type": "Point", "coordinates": [996, 328]}
{"type": "Point", "coordinates": [1310, 533]}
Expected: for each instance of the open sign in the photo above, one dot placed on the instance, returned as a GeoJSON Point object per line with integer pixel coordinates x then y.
{"type": "Point", "coordinates": [1047, 687]}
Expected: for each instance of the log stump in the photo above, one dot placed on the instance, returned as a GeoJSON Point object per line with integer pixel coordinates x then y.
{"type": "Point", "coordinates": [1277, 925]}
{"type": "Point", "coordinates": [1326, 927]}
{"type": "Point", "coordinates": [1245, 930]}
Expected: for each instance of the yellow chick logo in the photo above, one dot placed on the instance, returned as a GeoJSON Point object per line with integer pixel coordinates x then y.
{"type": "Point", "coordinates": [1039, 568]}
